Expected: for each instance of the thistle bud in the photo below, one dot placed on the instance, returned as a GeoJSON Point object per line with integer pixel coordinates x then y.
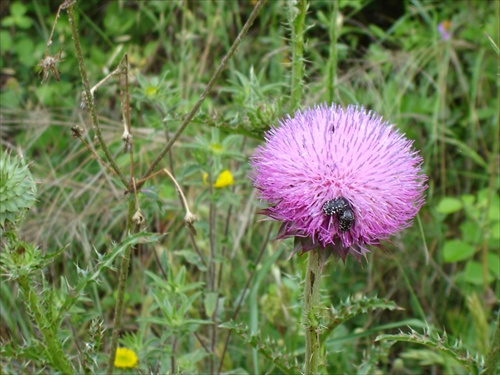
{"type": "Point", "coordinates": [17, 189]}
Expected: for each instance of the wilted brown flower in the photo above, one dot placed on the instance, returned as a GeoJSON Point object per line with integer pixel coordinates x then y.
{"type": "Point", "coordinates": [48, 65]}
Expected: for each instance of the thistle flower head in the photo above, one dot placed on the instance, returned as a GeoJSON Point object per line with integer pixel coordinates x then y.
{"type": "Point", "coordinates": [338, 179]}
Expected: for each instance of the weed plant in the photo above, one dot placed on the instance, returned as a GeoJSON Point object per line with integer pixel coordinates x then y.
{"type": "Point", "coordinates": [145, 231]}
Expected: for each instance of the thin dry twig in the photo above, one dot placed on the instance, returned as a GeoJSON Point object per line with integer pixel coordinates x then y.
{"type": "Point", "coordinates": [189, 218]}
{"type": "Point", "coordinates": [207, 90]}
{"type": "Point", "coordinates": [77, 132]}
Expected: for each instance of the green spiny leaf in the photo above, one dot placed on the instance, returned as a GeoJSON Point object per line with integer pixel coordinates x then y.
{"type": "Point", "coordinates": [268, 348]}
{"type": "Point", "coordinates": [471, 362]}
{"type": "Point", "coordinates": [351, 308]}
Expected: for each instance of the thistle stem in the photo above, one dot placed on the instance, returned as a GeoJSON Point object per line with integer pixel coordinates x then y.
{"type": "Point", "coordinates": [310, 313]}
{"type": "Point", "coordinates": [48, 329]}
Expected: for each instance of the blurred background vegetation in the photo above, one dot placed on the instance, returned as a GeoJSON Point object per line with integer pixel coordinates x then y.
{"type": "Point", "coordinates": [428, 66]}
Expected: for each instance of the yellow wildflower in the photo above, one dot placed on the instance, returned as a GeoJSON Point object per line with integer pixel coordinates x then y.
{"type": "Point", "coordinates": [224, 179]}
{"type": "Point", "coordinates": [125, 358]}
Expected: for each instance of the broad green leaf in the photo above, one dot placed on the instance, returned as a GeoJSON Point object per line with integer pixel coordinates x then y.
{"type": "Point", "coordinates": [468, 199]}
{"type": "Point", "coordinates": [471, 232]}
{"type": "Point", "coordinates": [494, 214]}
{"type": "Point", "coordinates": [457, 250]}
{"type": "Point", "coordinates": [494, 264]}
{"type": "Point", "coordinates": [5, 40]}
{"type": "Point", "coordinates": [448, 205]}
{"type": "Point", "coordinates": [17, 9]}
{"type": "Point", "coordinates": [492, 202]}
{"type": "Point", "coordinates": [23, 22]}
{"type": "Point", "coordinates": [210, 303]}
{"type": "Point", "coordinates": [24, 50]}
{"type": "Point", "coordinates": [474, 273]}
{"type": "Point", "coordinates": [495, 230]}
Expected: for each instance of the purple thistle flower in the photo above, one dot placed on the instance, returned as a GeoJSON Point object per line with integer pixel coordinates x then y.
{"type": "Point", "coordinates": [338, 179]}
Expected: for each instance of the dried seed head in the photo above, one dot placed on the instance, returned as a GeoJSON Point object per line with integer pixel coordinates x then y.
{"type": "Point", "coordinates": [84, 102]}
{"type": "Point", "coordinates": [189, 220]}
{"type": "Point", "coordinates": [48, 65]}
{"type": "Point", "coordinates": [127, 141]}
{"type": "Point", "coordinates": [67, 3]}
{"type": "Point", "coordinates": [138, 218]}
{"type": "Point", "coordinates": [77, 131]}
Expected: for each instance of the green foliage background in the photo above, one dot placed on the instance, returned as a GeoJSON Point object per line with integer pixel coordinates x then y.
{"type": "Point", "coordinates": [443, 272]}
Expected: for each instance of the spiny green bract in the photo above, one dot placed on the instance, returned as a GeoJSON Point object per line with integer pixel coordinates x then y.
{"type": "Point", "coordinates": [17, 189]}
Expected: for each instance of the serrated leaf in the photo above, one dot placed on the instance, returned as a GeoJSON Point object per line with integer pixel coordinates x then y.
{"type": "Point", "coordinates": [105, 262]}
{"type": "Point", "coordinates": [267, 347]}
{"type": "Point", "coordinates": [441, 344]}
{"type": "Point", "coordinates": [350, 308]}
{"type": "Point", "coordinates": [17, 186]}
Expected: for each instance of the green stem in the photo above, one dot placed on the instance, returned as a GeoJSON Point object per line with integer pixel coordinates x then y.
{"type": "Point", "coordinates": [297, 22]}
{"type": "Point", "coordinates": [48, 329]}
{"type": "Point", "coordinates": [310, 313]}
{"type": "Point", "coordinates": [122, 281]}
{"type": "Point", "coordinates": [493, 173]}
{"type": "Point", "coordinates": [211, 280]}
{"type": "Point", "coordinates": [493, 357]}
{"type": "Point", "coordinates": [89, 98]}
{"type": "Point", "coordinates": [332, 61]}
